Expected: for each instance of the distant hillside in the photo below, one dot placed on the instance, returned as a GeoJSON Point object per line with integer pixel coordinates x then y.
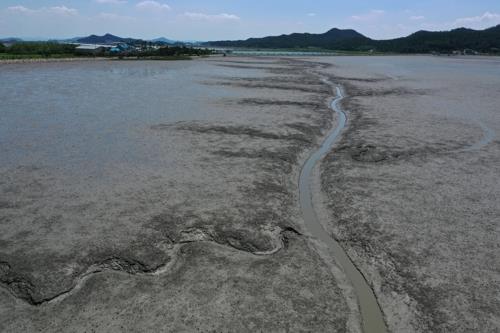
{"type": "Point", "coordinates": [333, 39]}
{"type": "Point", "coordinates": [106, 39]}
{"type": "Point", "coordinates": [445, 41]}
{"type": "Point", "coordinates": [10, 40]}
{"type": "Point", "coordinates": [349, 40]}
{"type": "Point", "coordinates": [164, 40]}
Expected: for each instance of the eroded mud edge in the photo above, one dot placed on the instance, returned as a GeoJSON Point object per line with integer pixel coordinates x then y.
{"type": "Point", "coordinates": [21, 288]}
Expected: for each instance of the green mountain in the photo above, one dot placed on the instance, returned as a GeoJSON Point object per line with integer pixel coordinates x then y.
{"type": "Point", "coordinates": [445, 41]}
{"type": "Point", "coordinates": [332, 39]}
{"type": "Point", "coordinates": [487, 41]}
{"type": "Point", "coordinates": [105, 39]}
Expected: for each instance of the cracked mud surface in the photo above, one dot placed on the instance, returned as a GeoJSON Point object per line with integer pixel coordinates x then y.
{"type": "Point", "coordinates": [412, 188]}
{"type": "Point", "coordinates": [194, 225]}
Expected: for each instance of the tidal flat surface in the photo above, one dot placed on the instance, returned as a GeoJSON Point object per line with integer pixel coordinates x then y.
{"type": "Point", "coordinates": [153, 196]}
{"type": "Point", "coordinates": [163, 196]}
{"type": "Point", "coordinates": [412, 189]}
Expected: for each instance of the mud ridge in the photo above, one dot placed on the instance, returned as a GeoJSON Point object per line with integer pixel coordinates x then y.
{"type": "Point", "coordinates": [357, 79]}
{"type": "Point", "coordinates": [233, 130]}
{"type": "Point", "coordinates": [368, 153]}
{"type": "Point", "coordinates": [262, 101]}
{"type": "Point", "coordinates": [22, 288]}
{"type": "Point", "coordinates": [245, 62]}
{"type": "Point", "coordinates": [246, 153]}
{"type": "Point", "coordinates": [263, 85]}
{"type": "Point", "coordinates": [252, 67]}
{"type": "Point", "coordinates": [296, 79]}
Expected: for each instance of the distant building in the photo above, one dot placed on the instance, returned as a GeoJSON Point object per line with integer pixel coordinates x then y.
{"type": "Point", "coordinates": [120, 48]}
{"type": "Point", "coordinates": [92, 48]}
{"type": "Point", "coordinates": [465, 52]}
{"type": "Point", "coordinates": [470, 52]}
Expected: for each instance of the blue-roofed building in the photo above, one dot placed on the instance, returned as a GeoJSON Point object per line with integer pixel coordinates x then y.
{"type": "Point", "coordinates": [119, 48]}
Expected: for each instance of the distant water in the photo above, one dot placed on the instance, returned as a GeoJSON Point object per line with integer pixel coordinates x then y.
{"type": "Point", "coordinates": [83, 115]}
{"type": "Point", "coordinates": [412, 67]}
{"type": "Point", "coordinates": [281, 53]}
{"type": "Point", "coordinates": [67, 114]}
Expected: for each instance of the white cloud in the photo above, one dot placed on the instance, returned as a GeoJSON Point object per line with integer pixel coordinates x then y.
{"type": "Point", "coordinates": [57, 10]}
{"type": "Point", "coordinates": [152, 5]}
{"type": "Point", "coordinates": [482, 21]}
{"type": "Point", "coordinates": [311, 14]}
{"type": "Point", "coordinates": [20, 9]}
{"type": "Point", "coordinates": [62, 10]}
{"type": "Point", "coordinates": [115, 17]}
{"type": "Point", "coordinates": [111, 2]}
{"type": "Point", "coordinates": [212, 18]}
{"type": "Point", "coordinates": [417, 18]}
{"type": "Point", "coordinates": [486, 20]}
{"type": "Point", "coordinates": [372, 15]}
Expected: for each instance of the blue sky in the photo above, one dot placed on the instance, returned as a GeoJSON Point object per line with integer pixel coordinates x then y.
{"type": "Point", "coordinates": [226, 19]}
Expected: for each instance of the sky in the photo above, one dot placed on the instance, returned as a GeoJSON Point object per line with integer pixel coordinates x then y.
{"type": "Point", "coordinates": [237, 19]}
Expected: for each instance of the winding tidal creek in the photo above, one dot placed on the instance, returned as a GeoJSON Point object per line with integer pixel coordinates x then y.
{"type": "Point", "coordinates": [371, 314]}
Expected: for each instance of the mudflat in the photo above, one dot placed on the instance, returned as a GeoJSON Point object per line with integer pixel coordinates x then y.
{"type": "Point", "coordinates": [151, 196]}
{"type": "Point", "coordinates": [412, 191]}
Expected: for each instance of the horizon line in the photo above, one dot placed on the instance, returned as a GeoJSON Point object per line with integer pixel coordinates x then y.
{"type": "Point", "coordinates": [31, 38]}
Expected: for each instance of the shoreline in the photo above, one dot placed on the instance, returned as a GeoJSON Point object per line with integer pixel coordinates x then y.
{"type": "Point", "coordinates": [84, 59]}
{"type": "Point", "coordinates": [47, 60]}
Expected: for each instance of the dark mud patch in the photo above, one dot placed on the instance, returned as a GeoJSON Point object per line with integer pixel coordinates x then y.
{"type": "Point", "coordinates": [272, 67]}
{"type": "Point", "coordinates": [306, 64]}
{"type": "Point", "coordinates": [357, 79]}
{"type": "Point", "coordinates": [284, 159]}
{"type": "Point", "coordinates": [19, 285]}
{"type": "Point", "coordinates": [315, 89]}
{"type": "Point", "coordinates": [369, 153]}
{"type": "Point", "coordinates": [389, 92]}
{"type": "Point", "coordinates": [271, 102]}
{"type": "Point", "coordinates": [249, 62]}
{"type": "Point", "coordinates": [369, 92]}
{"type": "Point", "coordinates": [286, 71]}
{"type": "Point", "coordinates": [23, 287]}
{"type": "Point", "coordinates": [242, 232]}
{"type": "Point", "coordinates": [308, 130]}
{"type": "Point", "coordinates": [235, 130]}
{"type": "Point", "coordinates": [300, 80]}
{"type": "Point", "coordinates": [8, 205]}
{"type": "Point", "coordinates": [357, 90]}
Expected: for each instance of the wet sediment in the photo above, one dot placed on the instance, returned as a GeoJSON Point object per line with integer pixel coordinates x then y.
{"type": "Point", "coordinates": [251, 213]}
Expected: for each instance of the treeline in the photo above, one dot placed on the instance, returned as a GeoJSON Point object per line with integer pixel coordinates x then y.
{"type": "Point", "coordinates": [38, 48]}
{"type": "Point", "coordinates": [173, 51]}
{"type": "Point", "coordinates": [483, 41]}
{"type": "Point", "coordinates": [48, 49]}
{"type": "Point", "coordinates": [332, 39]}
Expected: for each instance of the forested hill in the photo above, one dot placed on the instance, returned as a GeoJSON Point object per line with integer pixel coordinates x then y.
{"type": "Point", "coordinates": [487, 41]}
{"type": "Point", "coordinates": [331, 39]}
{"type": "Point", "coordinates": [105, 39]}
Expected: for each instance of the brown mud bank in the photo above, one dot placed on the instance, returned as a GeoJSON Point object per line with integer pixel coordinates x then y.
{"type": "Point", "coordinates": [205, 236]}
{"type": "Point", "coordinates": [411, 192]}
